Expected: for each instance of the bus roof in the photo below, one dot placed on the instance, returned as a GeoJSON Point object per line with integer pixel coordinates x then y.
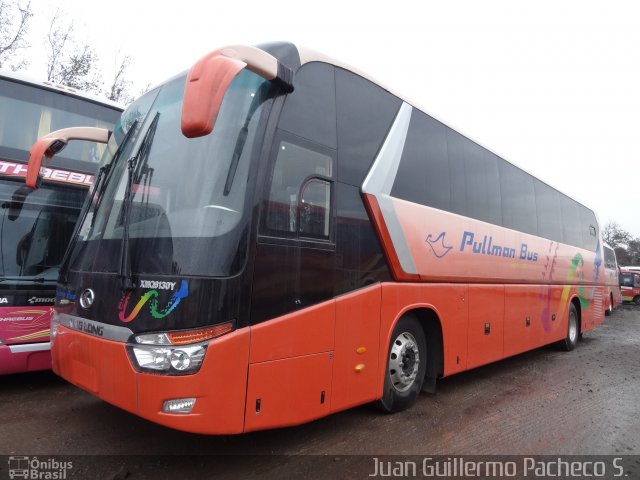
{"type": "Point", "coordinates": [54, 87]}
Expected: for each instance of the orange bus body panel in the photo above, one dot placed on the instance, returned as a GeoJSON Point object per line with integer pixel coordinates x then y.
{"type": "Point", "coordinates": [387, 244]}
{"type": "Point", "coordinates": [219, 388]}
{"type": "Point", "coordinates": [534, 316]}
{"type": "Point", "coordinates": [307, 331]}
{"type": "Point", "coordinates": [486, 324]}
{"type": "Point", "coordinates": [288, 391]}
{"type": "Point", "coordinates": [103, 368]}
{"type": "Point", "coordinates": [356, 355]}
{"type": "Point", "coordinates": [99, 366]}
{"type": "Point", "coordinates": [447, 301]}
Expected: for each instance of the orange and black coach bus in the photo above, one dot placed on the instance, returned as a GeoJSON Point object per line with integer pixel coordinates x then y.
{"type": "Point", "coordinates": [280, 238]}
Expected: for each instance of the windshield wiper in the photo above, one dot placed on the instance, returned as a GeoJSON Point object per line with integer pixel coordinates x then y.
{"type": "Point", "coordinates": [27, 279]}
{"type": "Point", "coordinates": [258, 99]}
{"type": "Point", "coordinates": [97, 192]}
{"type": "Point", "coordinates": [109, 167]}
{"type": "Point", "coordinates": [126, 281]}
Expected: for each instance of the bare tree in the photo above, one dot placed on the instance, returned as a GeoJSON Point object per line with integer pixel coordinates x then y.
{"type": "Point", "coordinates": [69, 64]}
{"type": "Point", "coordinates": [615, 236]}
{"type": "Point", "coordinates": [120, 87]}
{"type": "Point", "coordinates": [13, 29]}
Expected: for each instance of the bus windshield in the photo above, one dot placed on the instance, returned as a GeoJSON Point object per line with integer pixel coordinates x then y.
{"type": "Point", "coordinates": [28, 113]}
{"type": "Point", "coordinates": [187, 214]}
{"type": "Point", "coordinates": [34, 235]}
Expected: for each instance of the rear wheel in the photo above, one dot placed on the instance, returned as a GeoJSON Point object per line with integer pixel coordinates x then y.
{"type": "Point", "coordinates": [573, 330]}
{"type": "Point", "coordinates": [406, 365]}
{"type": "Point", "coordinates": [637, 300]}
{"type": "Point", "coordinates": [609, 310]}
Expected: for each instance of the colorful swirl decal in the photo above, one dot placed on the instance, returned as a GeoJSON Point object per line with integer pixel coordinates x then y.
{"type": "Point", "coordinates": [152, 297]}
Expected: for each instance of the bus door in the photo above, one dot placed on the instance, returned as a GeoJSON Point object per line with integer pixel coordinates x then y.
{"type": "Point", "coordinates": [293, 278]}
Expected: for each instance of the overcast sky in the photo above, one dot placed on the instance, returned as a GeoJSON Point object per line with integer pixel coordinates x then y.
{"type": "Point", "coordinates": [552, 86]}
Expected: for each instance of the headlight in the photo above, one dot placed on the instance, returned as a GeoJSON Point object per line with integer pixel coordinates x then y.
{"type": "Point", "coordinates": [174, 353]}
{"type": "Point", "coordinates": [172, 360]}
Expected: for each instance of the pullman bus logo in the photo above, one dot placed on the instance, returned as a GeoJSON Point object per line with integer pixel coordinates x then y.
{"type": "Point", "coordinates": [438, 247]}
{"type": "Point", "coordinates": [151, 297]}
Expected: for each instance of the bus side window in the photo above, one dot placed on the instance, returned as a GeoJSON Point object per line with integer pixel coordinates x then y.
{"type": "Point", "coordinates": [300, 190]}
{"type": "Point", "coordinates": [315, 209]}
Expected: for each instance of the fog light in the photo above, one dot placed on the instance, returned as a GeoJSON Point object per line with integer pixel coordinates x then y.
{"type": "Point", "coordinates": [179, 405]}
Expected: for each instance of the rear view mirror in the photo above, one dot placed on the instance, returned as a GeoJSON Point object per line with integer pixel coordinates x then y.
{"type": "Point", "coordinates": [54, 142]}
{"type": "Point", "coordinates": [22, 249]}
{"type": "Point", "coordinates": [209, 78]}
{"type": "Point", "coordinates": [17, 202]}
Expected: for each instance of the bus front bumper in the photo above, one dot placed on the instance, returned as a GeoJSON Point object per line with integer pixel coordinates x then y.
{"type": "Point", "coordinates": [29, 357]}
{"type": "Point", "coordinates": [103, 368]}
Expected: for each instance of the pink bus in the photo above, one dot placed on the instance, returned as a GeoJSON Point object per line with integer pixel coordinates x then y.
{"type": "Point", "coordinates": [36, 225]}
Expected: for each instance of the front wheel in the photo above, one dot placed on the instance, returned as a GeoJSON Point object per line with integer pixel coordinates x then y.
{"type": "Point", "coordinates": [573, 330]}
{"type": "Point", "coordinates": [637, 300]}
{"type": "Point", "coordinates": [406, 365]}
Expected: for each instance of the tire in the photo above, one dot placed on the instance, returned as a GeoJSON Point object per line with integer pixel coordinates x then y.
{"type": "Point", "coordinates": [406, 366]}
{"type": "Point", "coordinates": [609, 310]}
{"type": "Point", "coordinates": [637, 300]}
{"type": "Point", "coordinates": [573, 330]}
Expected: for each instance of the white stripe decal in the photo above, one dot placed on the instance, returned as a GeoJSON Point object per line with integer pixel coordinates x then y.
{"type": "Point", "coordinates": [30, 347]}
{"type": "Point", "coordinates": [379, 183]}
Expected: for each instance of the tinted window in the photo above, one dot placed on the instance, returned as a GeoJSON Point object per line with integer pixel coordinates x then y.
{"type": "Point", "coordinates": [571, 221]}
{"type": "Point", "coordinates": [188, 196]}
{"type": "Point", "coordinates": [609, 258]}
{"type": "Point", "coordinates": [295, 163]}
{"type": "Point", "coordinates": [483, 183]}
{"type": "Point", "coordinates": [518, 199]}
{"type": "Point", "coordinates": [588, 225]}
{"type": "Point", "coordinates": [455, 149]}
{"type": "Point", "coordinates": [310, 110]}
{"type": "Point", "coordinates": [365, 114]}
{"type": "Point", "coordinates": [549, 211]}
{"type": "Point", "coordinates": [315, 209]}
{"type": "Point", "coordinates": [423, 174]}
{"type": "Point", "coordinates": [35, 230]}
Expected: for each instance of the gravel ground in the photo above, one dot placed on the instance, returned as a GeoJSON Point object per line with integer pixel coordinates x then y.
{"type": "Point", "coordinates": [586, 402]}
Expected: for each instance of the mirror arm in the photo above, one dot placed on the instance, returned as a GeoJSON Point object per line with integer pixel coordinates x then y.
{"type": "Point", "coordinates": [54, 142]}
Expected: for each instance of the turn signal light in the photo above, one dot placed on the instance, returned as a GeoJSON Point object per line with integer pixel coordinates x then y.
{"type": "Point", "coordinates": [200, 335]}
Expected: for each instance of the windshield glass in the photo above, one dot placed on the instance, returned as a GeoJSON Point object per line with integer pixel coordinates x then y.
{"type": "Point", "coordinates": [28, 113]}
{"type": "Point", "coordinates": [187, 212]}
{"type": "Point", "coordinates": [34, 233]}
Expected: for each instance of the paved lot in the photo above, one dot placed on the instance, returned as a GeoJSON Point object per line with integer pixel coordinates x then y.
{"type": "Point", "coordinates": [542, 402]}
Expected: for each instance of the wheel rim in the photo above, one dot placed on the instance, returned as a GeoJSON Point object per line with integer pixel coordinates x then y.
{"type": "Point", "coordinates": [573, 327]}
{"type": "Point", "coordinates": [404, 361]}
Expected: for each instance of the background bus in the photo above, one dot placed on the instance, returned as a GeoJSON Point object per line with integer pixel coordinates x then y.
{"type": "Point", "coordinates": [613, 296]}
{"type": "Point", "coordinates": [630, 285]}
{"type": "Point", "coordinates": [291, 239]}
{"type": "Point", "coordinates": [35, 227]}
